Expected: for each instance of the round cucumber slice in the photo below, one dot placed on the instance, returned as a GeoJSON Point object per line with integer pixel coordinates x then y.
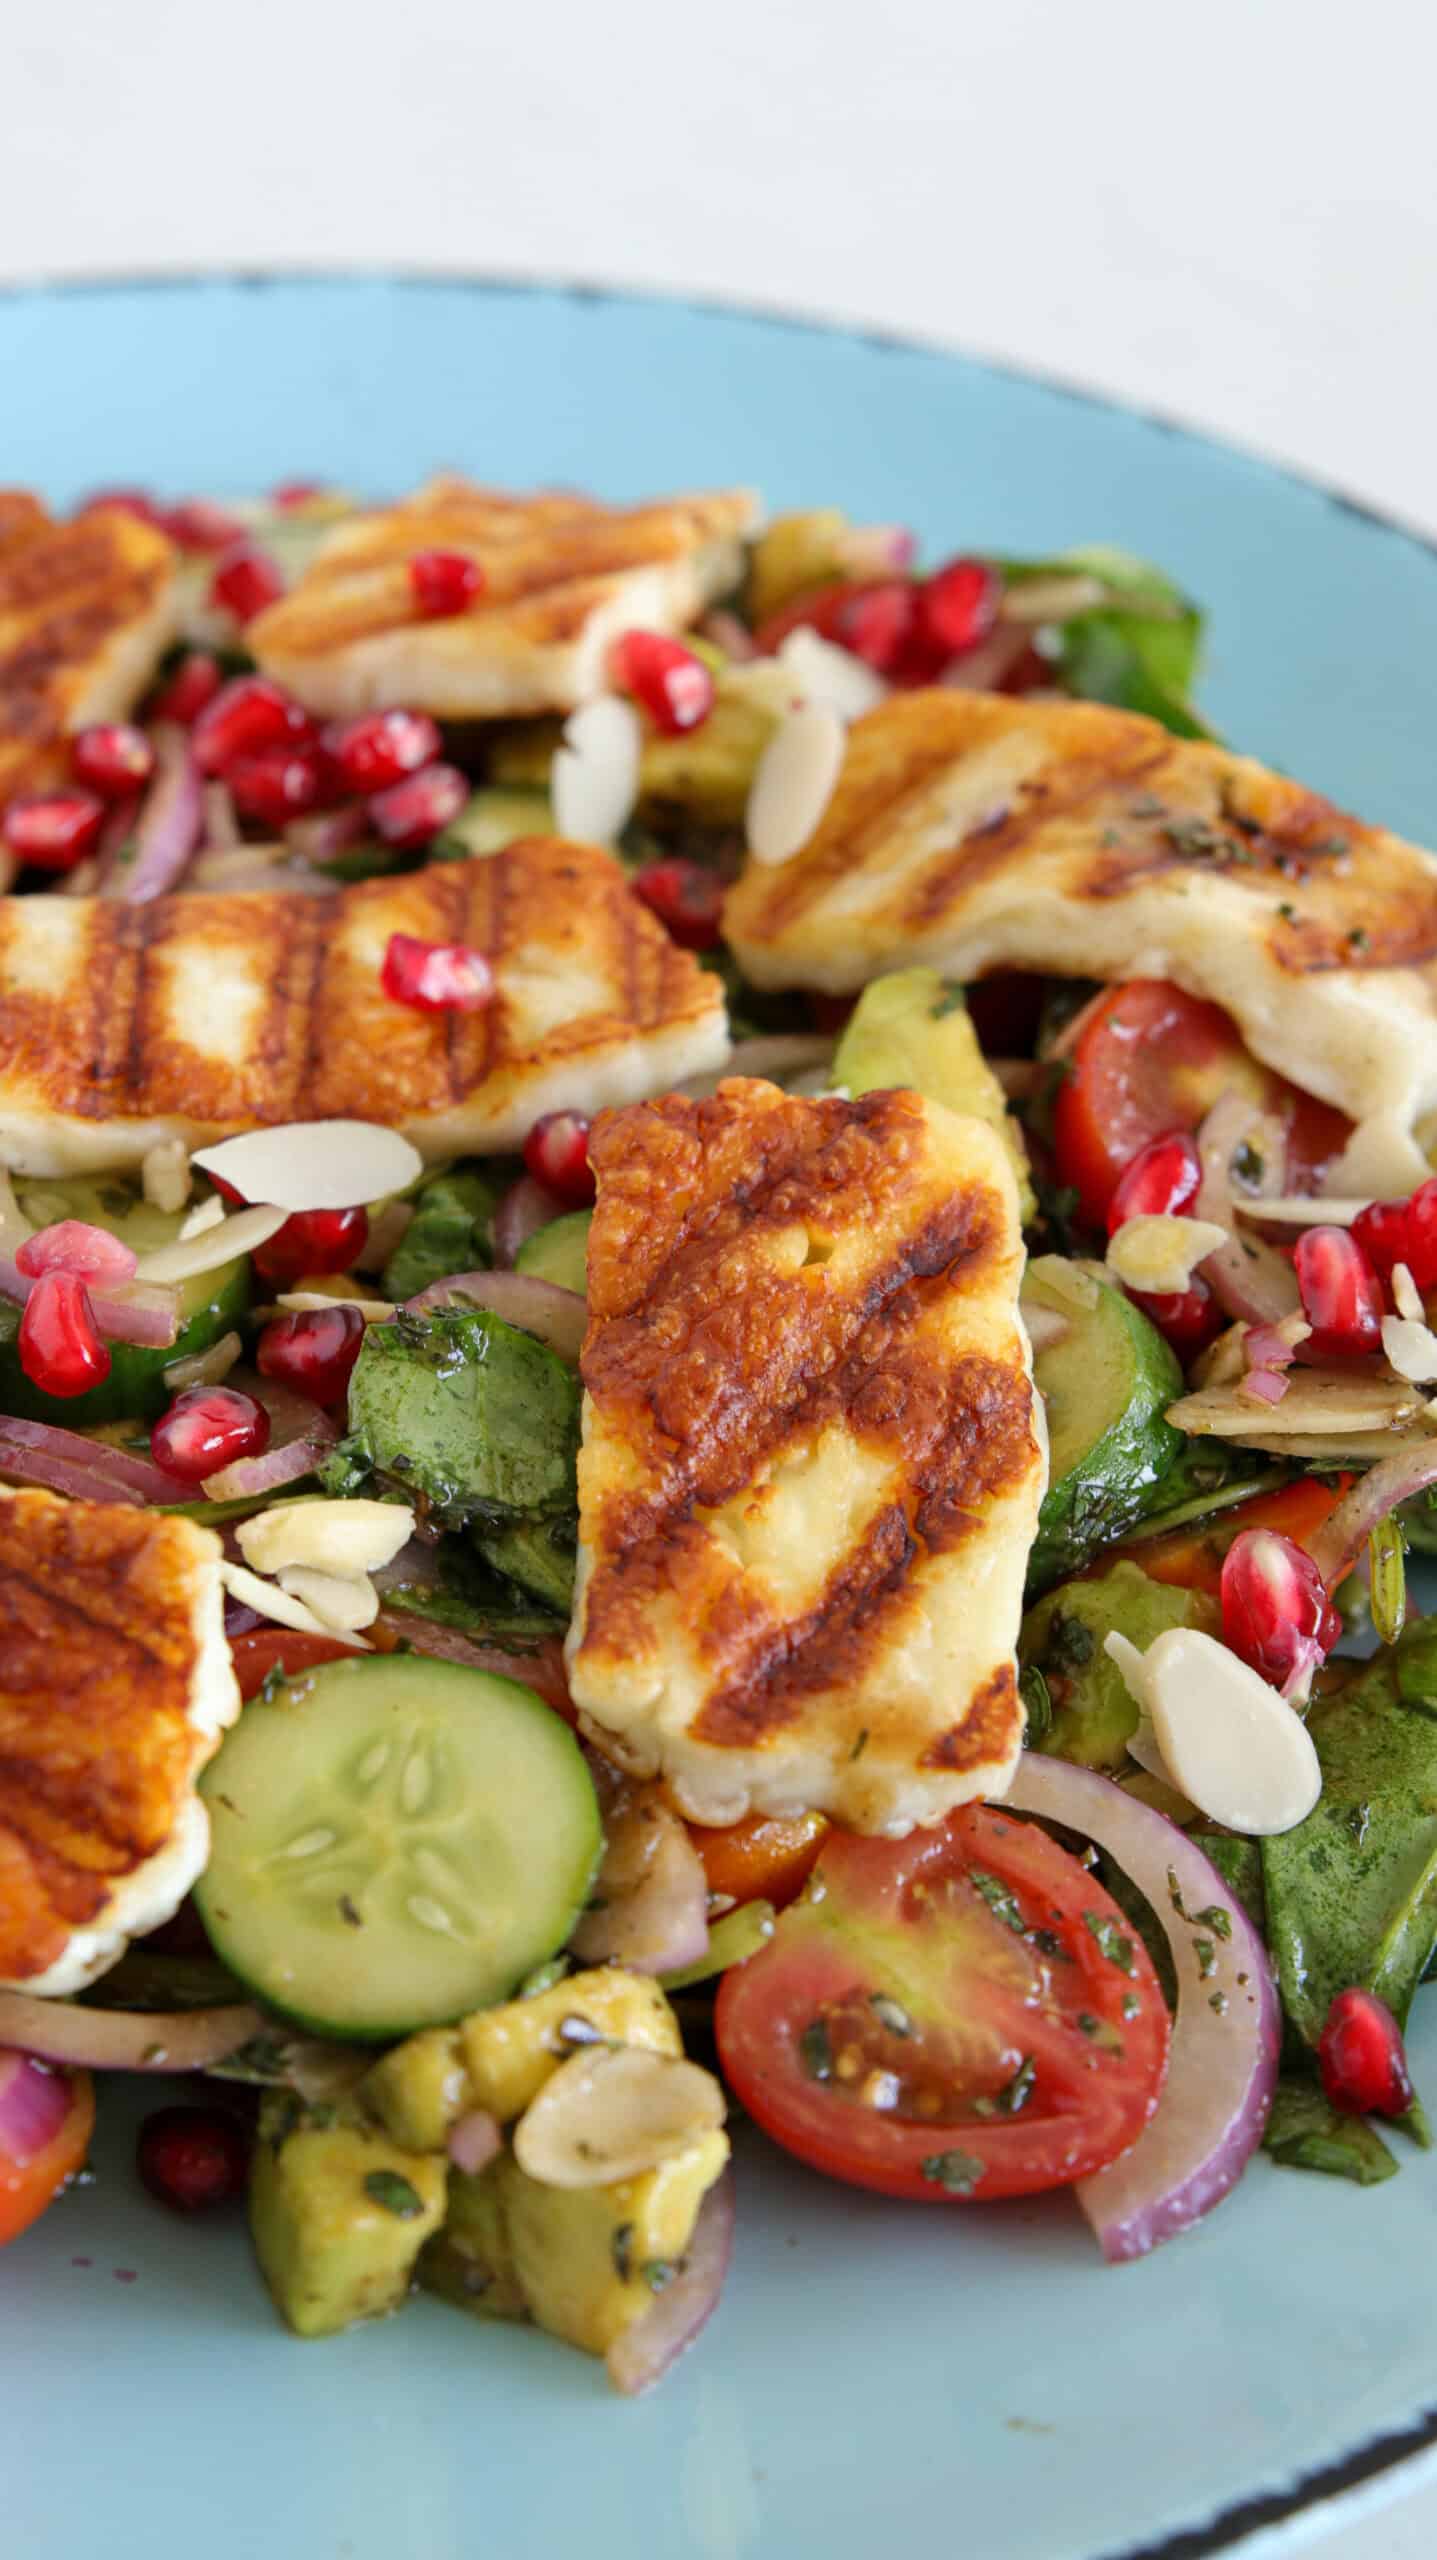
{"type": "Point", "coordinates": [1105, 1384]}
{"type": "Point", "coordinates": [395, 1841]}
{"type": "Point", "coordinates": [559, 1251]}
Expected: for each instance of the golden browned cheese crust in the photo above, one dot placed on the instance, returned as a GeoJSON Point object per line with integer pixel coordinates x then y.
{"type": "Point", "coordinates": [197, 1015]}
{"type": "Point", "coordinates": [787, 1294]}
{"type": "Point", "coordinates": [100, 1657]}
{"type": "Point", "coordinates": [975, 832]}
{"type": "Point", "coordinates": [85, 611]}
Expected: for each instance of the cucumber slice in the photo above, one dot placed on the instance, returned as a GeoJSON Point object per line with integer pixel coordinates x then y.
{"type": "Point", "coordinates": [395, 1841]}
{"type": "Point", "coordinates": [209, 1305]}
{"type": "Point", "coordinates": [1106, 1385]}
{"type": "Point", "coordinates": [559, 1252]}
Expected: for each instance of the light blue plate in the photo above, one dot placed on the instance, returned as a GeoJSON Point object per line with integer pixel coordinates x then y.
{"type": "Point", "coordinates": [975, 2382]}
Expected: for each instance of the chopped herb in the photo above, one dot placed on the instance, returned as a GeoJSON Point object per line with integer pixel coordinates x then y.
{"type": "Point", "coordinates": [1216, 1918]}
{"type": "Point", "coordinates": [1287, 911]}
{"type": "Point", "coordinates": [1037, 1705]}
{"type": "Point", "coordinates": [387, 2188]}
{"type": "Point", "coordinates": [952, 1000]}
{"type": "Point", "coordinates": [1206, 1953]}
{"type": "Point", "coordinates": [271, 1685]}
{"type": "Point", "coordinates": [1110, 838]}
{"type": "Point", "coordinates": [815, 2051]}
{"type": "Point", "coordinates": [860, 1746]}
{"type": "Point", "coordinates": [890, 2013]}
{"type": "Point", "coordinates": [1217, 2001]}
{"type": "Point", "coordinates": [1359, 939]}
{"type": "Point", "coordinates": [1247, 1162]}
{"type": "Point", "coordinates": [1000, 1898]}
{"type": "Point", "coordinates": [1011, 2099]}
{"type": "Point", "coordinates": [543, 1978]}
{"type": "Point", "coordinates": [1336, 845]}
{"type": "Point", "coordinates": [1098, 2031]}
{"type": "Point", "coordinates": [348, 1913]}
{"type": "Point", "coordinates": [1046, 1942]}
{"type": "Point", "coordinates": [956, 2172]}
{"type": "Point", "coordinates": [1071, 1644]}
{"type": "Point", "coordinates": [658, 2272]}
{"type": "Point", "coordinates": [1132, 2005]}
{"type": "Point", "coordinates": [1145, 806]}
{"type": "Point", "coordinates": [1111, 1941]}
{"type": "Point", "coordinates": [621, 2250]}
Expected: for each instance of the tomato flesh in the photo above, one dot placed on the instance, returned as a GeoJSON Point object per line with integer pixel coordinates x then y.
{"type": "Point", "coordinates": [27, 2186]}
{"type": "Point", "coordinates": [961, 2014]}
{"type": "Point", "coordinates": [283, 1649]}
{"type": "Point", "coordinates": [767, 1858]}
{"type": "Point", "coordinates": [1151, 1059]}
{"type": "Point", "coordinates": [1192, 1559]}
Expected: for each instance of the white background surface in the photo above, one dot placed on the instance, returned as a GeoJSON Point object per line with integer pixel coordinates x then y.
{"type": "Point", "coordinates": [1225, 209]}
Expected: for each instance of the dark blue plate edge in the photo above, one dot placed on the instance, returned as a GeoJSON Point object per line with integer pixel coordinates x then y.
{"type": "Point", "coordinates": [1248, 2516]}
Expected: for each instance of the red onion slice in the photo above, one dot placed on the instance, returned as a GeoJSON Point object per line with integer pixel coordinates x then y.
{"type": "Point", "coordinates": [45, 1453]}
{"type": "Point", "coordinates": [474, 2141]}
{"type": "Point", "coordinates": [537, 1663]}
{"type": "Point", "coordinates": [301, 1433]}
{"type": "Point", "coordinates": [651, 1893]}
{"type": "Point", "coordinates": [139, 1314]}
{"type": "Point", "coordinates": [526, 1206]}
{"type": "Point", "coordinates": [333, 832]}
{"type": "Point", "coordinates": [169, 827]}
{"type": "Point", "coordinates": [1336, 1546]}
{"type": "Point", "coordinates": [1247, 1278]}
{"type": "Point", "coordinates": [644, 2353]}
{"type": "Point", "coordinates": [558, 1316]}
{"type": "Point", "coordinates": [1222, 2068]}
{"type": "Point", "coordinates": [1269, 1386]}
{"type": "Point", "coordinates": [124, 2039]}
{"type": "Point", "coordinates": [33, 2107]}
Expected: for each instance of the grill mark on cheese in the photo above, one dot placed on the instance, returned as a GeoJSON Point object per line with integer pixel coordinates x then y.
{"type": "Point", "coordinates": [981, 1735]}
{"type": "Point", "coordinates": [990, 850]}
{"type": "Point", "coordinates": [78, 603]}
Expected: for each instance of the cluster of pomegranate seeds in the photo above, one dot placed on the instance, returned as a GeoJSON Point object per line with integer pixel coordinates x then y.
{"type": "Point", "coordinates": [197, 524]}
{"type": "Point", "coordinates": [275, 785]}
{"type": "Point", "coordinates": [313, 1240]}
{"type": "Point", "coordinates": [958, 605]}
{"type": "Point", "coordinates": [413, 812]}
{"type": "Point", "coordinates": [1394, 1231]}
{"type": "Point", "coordinates": [191, 2158]}
{"type": "Point", "coordinates": [114, 759]}
{"type": "Point", "coordinates": [383, 747]}
{"type": "Point", "coordinates": [247, 715]}
{"type": "Point", "coordinates": [190, 690]}
{"type": "Point", "coordinates": [246, 580]}
{"type": "Point", "coordinates": [907, 629]}
{"type": "Point", "coordinates": [1362, 2058]}
{"type": "Point", "coordinates": [686, 898]}
{"type": "Point", "coordinates": [207, 1428]}
{"type": "Point", "coordinates": [436, 977]}
{"type": "Point", "coordinates": [59, 1341]}
{"type": "Point", "coordinates": [1276, 1614]}
{"type": "Point", "coordinates": [314, 1353]}
{"type": "Point", "coordinates": [53, 830]}
{"type": "Point", "coordinates": [444, 583]}
{"type": "Point", "coordinates": [1189, 1319]}
{"type": "Point", "coordinates": [668, 681]}
{"type": "Point", "coordinates": [556, 1152]}
{"type": "Point", "coordinates": [1160, 1181]}
{"type": "Point", "coordinates": [1340, 1292]}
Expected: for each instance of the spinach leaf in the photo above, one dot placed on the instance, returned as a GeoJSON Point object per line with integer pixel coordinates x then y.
{"type": "Point", "coordinates": [1138, 648]}
{"type": "Point", "coordinates": [451, 1230]}
{"type": "Point", "coordinates": [465, 1415]}
{"type": "Point", "coordinates": [1304, 2132]}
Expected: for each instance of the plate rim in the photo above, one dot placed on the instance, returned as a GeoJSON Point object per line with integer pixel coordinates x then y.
{"type": "Point", "coordinates": [1378, 2458]}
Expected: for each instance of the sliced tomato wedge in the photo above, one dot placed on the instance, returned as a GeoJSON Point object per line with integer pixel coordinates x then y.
{"type": "Point", "coordinates": [1192, 1558]}
{"type": "Point", "coordinates": [1150, 1059]}
{"type": "Point", "coordinates": [283, 1649]}
{"type": "Point", "coordinates": [29, 2183]}
{"type": "Point", "coordinates": [961, 2014]}
{"type": "Point", "coordinates": [768, 1858]}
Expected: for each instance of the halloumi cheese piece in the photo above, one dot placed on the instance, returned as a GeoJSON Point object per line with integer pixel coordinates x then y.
{"type": "Point", "coordinates": [87, 610]}
{"type": "Point", "coordinates": [812, 1455]}
{"type": "Point", "coordinates": [562, 577]}
{"type": "Point", "coordinates": [976, 833]}
{"type": "Point", "coordinates": [115, 1686]}
{"type": "Point", "coordinates": [192, 1017]}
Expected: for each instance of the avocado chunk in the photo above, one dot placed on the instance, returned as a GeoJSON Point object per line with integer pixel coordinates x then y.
{"type": "Point", "coordinates": [1106, 1381]}
{"type": "Point", "coordinates": [466, 1415]}
{"type": "Point", "coordinates": [469, 2260]}
{"type": "Point", "coordinates": [492, 818]}
{"type": "Point", "coordinates": [589, 2260]}
{"type": "Point", "coordinates": [500, 2058]}
{"type": "Point", "coordinates": [912, 1028]}
{"type": "Point", "coordinates": [339, 2214]}
{"type": "Point", "coordinates": [1094, 1711]}
{"type": "Point", "coordinates": [451, 1230]}
{"type": "Point", "coordinates": [559, 1251]}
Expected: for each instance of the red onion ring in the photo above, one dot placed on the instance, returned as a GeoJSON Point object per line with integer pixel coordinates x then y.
{"type": "Point", "coordinates": [33, 2106]}
{"type": "Point", "coordinates": [301, 1433]}
{"type": "Point", "coordinates": [45, 1453]}
{"type": "Point", "coordinates": [558, 1316]}
{"type": "Point", "coordinates": [474, 2141]}
{"type": "Point", "coordinates": [170, 824]}
{"type": "Point", "coordinates": [526, 1206]}
{"type": "Point", "coordinates": [124, 2039]}
{"type": "Point", "coordinates": [651, 1890]}
{"type": "Point", "coordinates": [1222, 2068]}
{"type": "Point", "coordinates": [1268, 1385]}
{"type": "Point", "coordinates": [1336, 1546]}
{"type": "Point", "coordinates": [645, 2351]}
{"type": "Point", "coordinates": [1247, 1278]}
{"type": "Point", "coordinates": [143, 1314]}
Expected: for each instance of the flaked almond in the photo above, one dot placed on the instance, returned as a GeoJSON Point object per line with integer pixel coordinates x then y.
{"type": "Point", "coordinates": [189, 1256]}
{"type": "Point", "coordinates": [330, 1537]}
{"type": "Point", "coordinates": [612, 2113]}
{"type": "Point", "coordinates": [1158, 1255]}
{"type": "Point", "coordinates": [309, 1302]}
{"type": "Point", "coordinates": [1326, 1402]}
{"type": "Point", "coordinates": [1071, 1283]}
{"type": "Point", "coordinates": [1293, 1212]}
{"type": "Point", "coordinates": [1411, 1349]}
{"type": "Point", "coordinates": [205, 1215]}
{"type": "Point", "coordinates": [794, 782]}
{"type": "Point", "coordinates": [822, 672]}
{"type": "Point", "coordinates": [1406, 1296]}
{"type": "Point", "coordinates": [1381, 1161]}
{"type": "Point", "coordinates": [165, 1175]}
{"type": "Point", "coordinates": [270, 1601]}
{"type": "Point", "coordinates": [343, 1603]}
{"type": "Point", "coordinates": [1229, 1742]}
{"type": "Point", "coordinates": [594, 778]}
{"type": "Point", "coordinates": [315, 1164]}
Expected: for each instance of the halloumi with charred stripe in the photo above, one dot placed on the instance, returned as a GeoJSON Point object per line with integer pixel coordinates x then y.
{"type": "Point", "coordinates": [192, 1017]}
{"type": "Point", "coordinates": [87, 610]}
{"type": "Point", "coordinates": [812, 1455]}
{"type": "Point", "coordinates": [976, 833]}
{"type": "Point", "coordinates": [562, 577]}
{"type": "Point", "coordinates": [115, 1686]}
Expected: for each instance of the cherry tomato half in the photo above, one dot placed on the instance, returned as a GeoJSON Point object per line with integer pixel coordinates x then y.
{"type": "Point", "coordinates": [1150, 1059]}
{"type": "Point", "coordinates": [1193, 1558]}
{"type": "Point", "coordinates": [964, 2013]}
{"type": "Point", "coordinates": [28, 2185]}
{"type": "Point", "coordinates": [765, 1859]}
{"type": "Point", "coordinates": [285, 1649]}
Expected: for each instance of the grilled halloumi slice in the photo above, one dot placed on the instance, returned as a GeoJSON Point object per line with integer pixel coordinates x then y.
{"type": "Point", "coordinates": [194, 1016]}
{"type": "Point", "coordinates": [812, 1455]}
{"type": "Point", "coordinates": [976, 833]}
{"type": "Point", "coordinates": [87, 610]}
{"type": "Point", "coordinates": [563, 576]}
{"type": "Point", "coordinates": [115, 1686]}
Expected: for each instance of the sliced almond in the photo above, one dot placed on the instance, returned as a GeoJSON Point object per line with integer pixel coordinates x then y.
{"type": "Point", "coordinates": [205, 1368]}
{"type": "Point", "coordinates": [1326, 1402]}
{"type": "Point", "coordinates": [794, 782]}
{"type": "Point", "coordinates": [1071, 1283]}
{"type": "Point", "coordinates": [328, 1537]}
{"type": "Point", "coordinates": [594, 778]}
{"type": "Point", "coordinates": [207, 1214]}
{"type": "Point", "coordinates": [310, 1302]}
{"type": "Point", "coordinates": [1382, 1160]}
{"type": "Point", "coordinates": [1158, 1255]}
{"type": "Point", "coordinates": [1229, 1742]}
{"type": "Point", "coordinates": [189, 1256]}
{"type": "Point", "coordinates": [165, 1174]}
{"type": "Point", "coordinates": [343, 1603]}
{"type": "Point", "coordinates": [271, 1602]}
{"type": "Point", "coordinates": [1406, 1296]}
{"type": "Point", "coordinates": [822, 672]}
{"type": "Point", "coordinates": [315, 1164]}
{"type": "Point", "coordinates": [1302, 1213]}
{"type": "Point", "coordinates": [1411, 1349]}
{"type": "Point", "coordinates": [612, 2113]}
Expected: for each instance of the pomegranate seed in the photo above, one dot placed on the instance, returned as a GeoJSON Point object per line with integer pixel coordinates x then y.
{"type": "Point", "coordinates": [313, 1240]}
{"type": "Point", "coordinates": [444, 582]}
{"type": "Point", "coordinates": [877, 624]}
{"type": "Point", "coordinates": [436, 977]}
{"type": "Point", "coordinates": [295, 493]}
{"type": "Point", "coordinates": [556, 1152]}
{"type": "Point", "coordinates": [129, 502]}
{"type": "Point", "coordinates": [58, 1342]}
{"type": "Point", "coordinates": [1421, 1254]}
{"type": "Point", "coordinates": [1159, 1182]}
{"type": "Point", "coordinates": [1276, 1614]}
{"type": "Point", "coordinates": [54, 830]}
{"type": "Point", "coordinates": [246, 580]}
{"type": "Point", "coordinates": [277, 784]}
{"type": "Point", "coordinates": [1382, 1234]}
{"type": "Point", "coordinates": [413, 812]}
{"type": "Point", "coordinates": [314, 1352]}
{"type": "Point", "coordinates": [686, 898]}
{"type": "Point", "coordinates": [190, 690]}
{"type": "Point", "coordinates": [1341, 1294]}
{"type": "Point", "coordinates": [113, 759]}
{"type": "Point", "coordinates": [381, 749]}
{"type": "Point", "coordinates": [190, 2158]}
{"type": "Point", "coordinates": [1188, 1319]}
{"type": "Point", "coordinates": [667, 680]}
{"type": "Point", "coordinates": [72, 1245]}
{"type": "Point", "coordinates": [958, 605]}
{"type": "Point", "coordinates": [1362, 2058]}
{"type": "Point", "coordinates": [246, 715]}
{"type": "Point", "coordinates": [207, 1428]}
{"type": "Point", "coordinates": [197, 524]}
